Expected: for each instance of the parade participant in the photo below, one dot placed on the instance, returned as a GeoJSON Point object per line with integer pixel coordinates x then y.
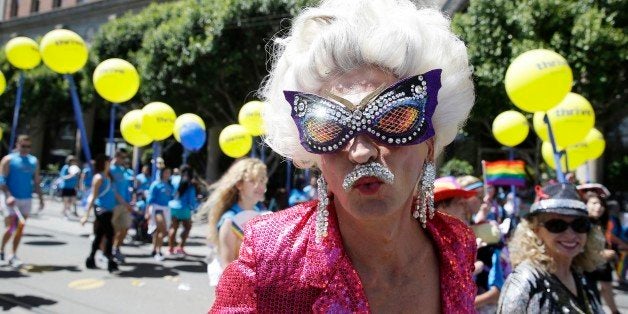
{"type": "Point", "coordinates": [157, 212]}
{"type": "Point", "coordinates": [369, 91]}
{"type": "Point", "coordinates": [85, 181]}
{"type": "Point", "coordinates": [596, 206]}
{"type": "Point", "coordinates": [238, 190]}
{"type": "Point", "coordinates": [181, 207]}
{"type": "Point", "coordinates": [550, 249]}
{"type": "Point", "coordinates": [103, 200]}
{"type": "Point", "coordinates": [298, 194]}
{"type": "Point", "coordinates": [19, 176]}
{"type": "Point", "coordinates": [142, 181]}
{"type": "Point", "coordinates": [121, 219]}
{"type": "Point", "coordinates": [451, 198]}
{"type": "Point", "coordinates": [69, 175]}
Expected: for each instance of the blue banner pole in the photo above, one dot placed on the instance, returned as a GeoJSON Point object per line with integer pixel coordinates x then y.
{"type": "Point", "coordinates": [186, 154]}
{"type": "Point", "coordinates": [78, 115]}
{"type": "Point", "coordinates": [559, 171]}
{"type": "Point", "coordinates": [112, 121]}
{"type": "Point", "coordinates": [154, 163]}
{"type": "Point", "coordinates": [16, 110]}
{"type": "Point", "coordinates": [513, 188]}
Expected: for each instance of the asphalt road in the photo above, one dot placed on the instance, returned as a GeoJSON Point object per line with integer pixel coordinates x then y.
{"type": "Point", "coordinates": [54, 279]}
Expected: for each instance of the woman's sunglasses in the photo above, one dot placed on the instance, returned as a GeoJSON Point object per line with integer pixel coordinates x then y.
{"type": "Point", "coordinates": [579, 225]}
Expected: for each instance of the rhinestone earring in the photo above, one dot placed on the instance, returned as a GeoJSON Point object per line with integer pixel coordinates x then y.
{"type": "Point", "coordinates": [321, 212]}
{"type": "Point", "coordinates": [425, 202]}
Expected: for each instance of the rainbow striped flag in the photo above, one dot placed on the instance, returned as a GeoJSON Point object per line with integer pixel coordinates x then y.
{"type": "Point", "coordinates": [505, 172]}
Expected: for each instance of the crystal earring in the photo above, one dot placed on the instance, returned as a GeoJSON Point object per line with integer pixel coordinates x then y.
{"type": "Point", "coordinates": [425, 202]}
{"type": "Point", "coordinates": [321, 212]}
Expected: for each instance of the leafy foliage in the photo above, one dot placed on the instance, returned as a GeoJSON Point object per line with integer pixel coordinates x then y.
{"type": "Point", "coordinates": [455, 167]}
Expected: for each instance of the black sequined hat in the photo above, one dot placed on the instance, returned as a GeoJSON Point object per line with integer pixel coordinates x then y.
{"type": "Point", "coordinates": [559, 198]}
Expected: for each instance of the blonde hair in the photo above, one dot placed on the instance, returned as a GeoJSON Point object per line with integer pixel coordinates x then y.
{"type": "Point", "coordinates": [224, 192]}
{"type": "Point", "coordinates": [527, 246]}
{"type": "Point", "coordinates": [343, 35]}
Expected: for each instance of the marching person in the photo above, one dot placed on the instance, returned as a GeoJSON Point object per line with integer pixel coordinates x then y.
{"type": "Point", "coordinates": [550, 249]}
{"type": "Point", "coordinates": [18, 178]}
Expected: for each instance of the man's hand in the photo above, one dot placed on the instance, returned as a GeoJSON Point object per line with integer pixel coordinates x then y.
{"type": "Point", "coordinates": [10, 201]}
{"type": "Point", "coordinates": [83, 220]}
{"type": "Point", "coordinates": [609, 255]}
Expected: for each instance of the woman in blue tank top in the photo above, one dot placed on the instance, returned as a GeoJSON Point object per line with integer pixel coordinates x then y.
{"type": "Point", "coordinates": [181, 207]}
{"type": "Point", "coordinates": [102, 199]}
{"type": "Point", "coordinates": [158, 212]}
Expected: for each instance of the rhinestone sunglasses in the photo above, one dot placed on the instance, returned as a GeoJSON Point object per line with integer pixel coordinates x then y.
{"type": "Point", "coordinates": [398, 115]}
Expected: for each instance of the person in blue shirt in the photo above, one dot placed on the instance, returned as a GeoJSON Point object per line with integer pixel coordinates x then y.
{"type": "Point", "coordinates": [297, 195]}
{"type": "Point", "coordinates": [142, 181]}
{"type": "Point", "coordinates": [69, 175]}
{"type": "Point", "coordinates": [122, 212]}
{"type": "Point", "coordinates": [19, 176]}
{"type": "Point", "coordinates": [103, 200]}
{"type": "Point", "coordinates": [175, 178]}
{"type": "Point", "coordinates": [181, 207]}
{"type": "Point", "coordinates": [158, 213]}
{"type": "Point", "coordinates": [85, 182]}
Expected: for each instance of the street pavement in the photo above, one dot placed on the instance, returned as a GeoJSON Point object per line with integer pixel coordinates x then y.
{"type": "Point", "coordinates": [54, 278]}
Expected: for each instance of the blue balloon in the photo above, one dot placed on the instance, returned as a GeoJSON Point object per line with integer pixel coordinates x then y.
{"type": "Point", "coordinates": [192, 136]}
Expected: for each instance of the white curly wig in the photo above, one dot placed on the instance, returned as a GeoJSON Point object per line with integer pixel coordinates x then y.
{"type": "Point", "coordinates": [342, 35]}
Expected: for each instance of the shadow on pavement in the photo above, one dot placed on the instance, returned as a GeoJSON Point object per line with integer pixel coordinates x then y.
{"type": "Point", "coordinates": [45, 243]}
{"type": "Point", "coordinates": [192, 268]}
{"type": "Point", "coordinates": [37, 235]}
{"type": "Point", "coordinates": [194, 243]}
{"type": "Point", "coordinates": [143, 270]}
{"type": "Point", "coordinates": [10, 272]}
{"type": "Point", "coordinates": [9, 301]}
{"type": "Point", "coordinates": [33, 268]}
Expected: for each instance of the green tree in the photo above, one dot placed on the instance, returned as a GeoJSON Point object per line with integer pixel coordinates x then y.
{"type": "Point", "coordinates": [455, 167]}
{"type": "Point", "coordinates": [590, 34]}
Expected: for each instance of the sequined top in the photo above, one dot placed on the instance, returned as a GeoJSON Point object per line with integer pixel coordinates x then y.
{"type": "Point", "coordinates": [282, 269]}
{"type": "Point", "coordinates": [530, 290]}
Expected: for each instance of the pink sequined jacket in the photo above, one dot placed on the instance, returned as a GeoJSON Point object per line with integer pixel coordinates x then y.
{"type": "Point", "coordinates": [282, 269]}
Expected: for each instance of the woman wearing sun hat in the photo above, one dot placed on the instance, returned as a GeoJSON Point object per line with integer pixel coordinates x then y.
{"type": "Point", "coordinates": [551, 248]}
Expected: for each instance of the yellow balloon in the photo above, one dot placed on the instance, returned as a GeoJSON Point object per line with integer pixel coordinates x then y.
{"type": "Point", "coordinates": [23, 53]}
{"type": "Point", "coordinates": [183, 119]}
{"type": "Point", "coordinates": [597, 144]}
{"type": "Point", "coordinates": [537, 80]}
{"type": "Point", "coordinates": [250, 117]}
{"type": "Point", "coordinates": [235, 141]}
{"type": "Point", "coordinates": [510, 128]}
{"type": "Point", "coordinates": [63, 51]}
{"type": "Point", "coordinates": [131, 128]}
{"type": "Point", "coordinates": [571, 120]}
{"type": "Point", "coordinates": [116, 80]}
{"type": "Point", "coordinates": [576, 156]}
{"type": "Point", "coordinates": [3, 83]}
{"type": "Point", "coordinates": [158, 120]}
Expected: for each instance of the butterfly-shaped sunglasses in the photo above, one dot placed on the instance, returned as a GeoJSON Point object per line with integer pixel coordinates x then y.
{"type": "Point", "coordinates": [398, 115]}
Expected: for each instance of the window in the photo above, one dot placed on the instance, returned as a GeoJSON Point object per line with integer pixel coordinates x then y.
{"type": "Point", "coordinates": [14, 8]}
{"type": "Point", "coordinates": [56, 3]}
{"type": "Point", "coordinates": [34, 6]}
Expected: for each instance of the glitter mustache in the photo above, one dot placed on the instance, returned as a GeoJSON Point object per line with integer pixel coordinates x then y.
{"type": "Point", "coordinates": [372, 169]}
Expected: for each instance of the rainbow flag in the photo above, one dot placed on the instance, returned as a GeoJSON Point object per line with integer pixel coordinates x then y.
{"type": "Point", "coordinates": [505, 172]}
